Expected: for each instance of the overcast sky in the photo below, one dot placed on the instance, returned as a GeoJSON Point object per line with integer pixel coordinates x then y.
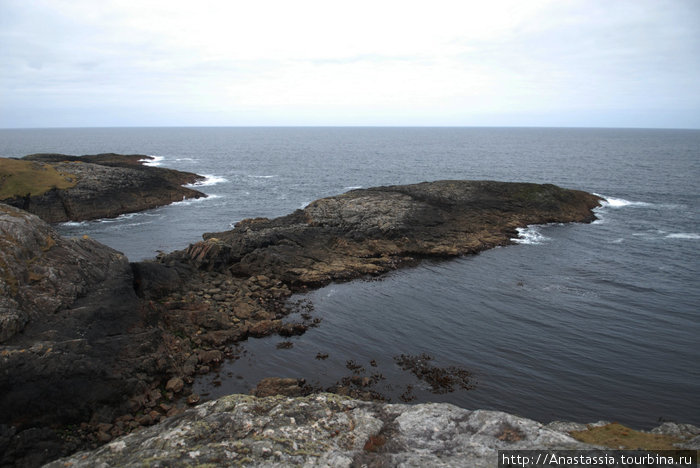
{"type": "Point", "coordinates": [609, 63]}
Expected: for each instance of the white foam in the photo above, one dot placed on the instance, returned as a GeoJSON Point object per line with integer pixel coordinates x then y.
{"type": "Point", "coordinates": [154, 161]}
{"type": "Point", "coordinates": [530, 235]}
{"type": "Point", "coordinates": [209, 179]}
{"type": "Point", "coordinates": [354, 187]}
{"type": "Point", "coordinates": [190, 201]}
{"type": "Point", "coordinates": [73, 223]}
{"type": "Point", "coordinates": [614, 202]}
{"type": "Point", "coordinates": [304, 205]}
{"type": "Point", "coordinates": [262, 176]}
{"type": "Point", "coordinates": [683, 235]}
{"type": "Point", "coordinates": [187, 159]}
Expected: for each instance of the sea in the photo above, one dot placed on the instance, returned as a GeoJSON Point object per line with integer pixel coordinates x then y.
{"type": "Point", "coordinates": [576, 322]}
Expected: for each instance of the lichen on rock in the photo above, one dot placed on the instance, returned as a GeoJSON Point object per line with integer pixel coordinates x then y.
{"type": "Point", "coordinates": [325, 430]}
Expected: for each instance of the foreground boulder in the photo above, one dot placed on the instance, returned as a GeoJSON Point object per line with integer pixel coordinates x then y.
{"type": "Point", "coordinates": [59, 187]}
{"type": "Point", "coordinates": [328, 430]}
{"type": "Point", "coordinates": [371, 231]}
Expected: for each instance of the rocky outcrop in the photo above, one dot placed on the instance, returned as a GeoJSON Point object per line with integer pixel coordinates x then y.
{"type": "Point", "coordinates": [371, 231]}
{"type": "Point", "coordinates": [75, 339]}
{"type": "Point", "coordinates": [90, 340]}
{"type": "Point", "coordinates": [107, 185]}
{"type": "Point", "coordinates": [328, 430]}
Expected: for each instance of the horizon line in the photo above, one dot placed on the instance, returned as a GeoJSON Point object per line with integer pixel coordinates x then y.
{"type": "Point", "coordinates": [350, 126]}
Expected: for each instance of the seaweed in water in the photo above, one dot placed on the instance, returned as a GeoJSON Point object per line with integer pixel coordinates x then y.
{"type": "Point", "coordinates": [440, 379]}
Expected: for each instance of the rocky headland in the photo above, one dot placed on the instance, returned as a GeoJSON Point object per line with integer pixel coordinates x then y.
{"type": "Point", "coordinates": [93, 347]}
{"type": "Point", "coordinates": [59, 187]}
{"type": "Point", "coordinates": [371, 231]}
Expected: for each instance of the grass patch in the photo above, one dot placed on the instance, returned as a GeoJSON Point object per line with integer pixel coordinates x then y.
{"type": "Point", "coordinates": [615, 435]}
{"type": "Point", "coordinates": [19, 178]}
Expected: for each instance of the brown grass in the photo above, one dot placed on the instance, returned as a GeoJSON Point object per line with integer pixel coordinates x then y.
{"type": "Point", "coordinates": [616, 435]}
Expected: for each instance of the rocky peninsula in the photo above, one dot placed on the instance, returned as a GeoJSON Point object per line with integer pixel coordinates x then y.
{"type": "Point", "coordinates": [371, 231]}
{"type": "Point", "coordinates": [93, 347]}
{"type": "Point", "coordinates": [59, 187]}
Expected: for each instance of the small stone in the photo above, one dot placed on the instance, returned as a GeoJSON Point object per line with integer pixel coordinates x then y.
{"type": "Point", "coordinates": [103, 436]}
{"type": "Point", "coordinates": [104, 427]}
{"type": "Point", "coordinates": [155, 416]}
{"type": "Point", "coordinates": [280, 386]}
{"type": "Point", "coordinates": [174, 385]}
{"type": "Point", "coordinates": [144, 420]}
{"type": "Point", "coordinates": [264, 328]}
{"type": "Point", "coordinates": [207, 357]}
{"type": "Point", "coordinates": [193, 399]}
{"type": "Point", "coordinates": [125, 417]}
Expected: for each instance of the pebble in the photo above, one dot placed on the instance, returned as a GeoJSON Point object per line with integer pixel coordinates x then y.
{"type": "Point", "coordinates": [174, 385]}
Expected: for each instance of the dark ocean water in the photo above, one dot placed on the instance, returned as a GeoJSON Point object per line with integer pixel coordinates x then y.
{"type": "Point", "coordinates": [577, 322]}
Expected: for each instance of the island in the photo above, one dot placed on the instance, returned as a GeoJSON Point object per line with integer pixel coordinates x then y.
{"type": "Point", "coordinates": [59, 187]}
{"type": "Point", "coordinates": [93, 347]}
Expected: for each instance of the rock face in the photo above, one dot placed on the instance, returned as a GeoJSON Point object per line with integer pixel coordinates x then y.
{"type": "Point", "coordinates": [371, 231]}
{"type": "Point", "coordinates": [73, 333]}
{"type": "Point", "coordinates": [326, 430]}
{"type": "Point", "coordinates": [107, 185]}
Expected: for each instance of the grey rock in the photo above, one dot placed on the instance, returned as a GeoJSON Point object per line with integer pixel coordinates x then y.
{"type": "Point", "coordinates": [675, 429]}
{"type": "Point", "coordinates": [566, 426]}
{"type": "Point", "coordinates": [324, 430]}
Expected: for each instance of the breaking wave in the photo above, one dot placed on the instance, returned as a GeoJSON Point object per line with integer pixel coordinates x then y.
{"type": "Point", "coordinates": [209, 179]}
{"type": "Point", "coordinates": [530, 235]}
{"type": "Point", "coordinates": [154, 161]}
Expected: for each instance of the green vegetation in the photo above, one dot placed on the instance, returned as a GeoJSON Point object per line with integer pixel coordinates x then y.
{"type": "Point", "coordinates": [19, 178]}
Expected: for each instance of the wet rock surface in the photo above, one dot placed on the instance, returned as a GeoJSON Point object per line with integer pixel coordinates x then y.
{"type": "Point", "coordinates": [107, 185]}
{"type": "Point", "coordinates": [326, 430]}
